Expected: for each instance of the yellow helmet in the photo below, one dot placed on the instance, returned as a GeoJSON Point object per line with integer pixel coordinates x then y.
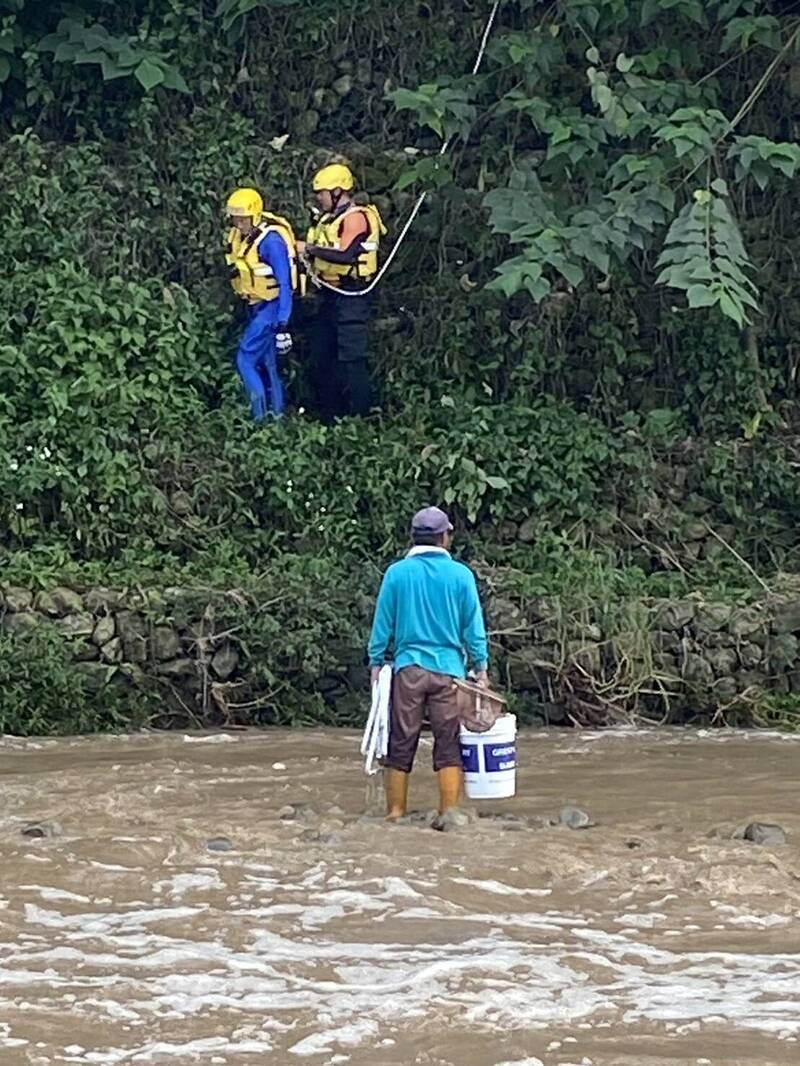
{"type": "Point", "coordinates": [246, 202]}
{"type": "Point", "coordinates": [335, 176]}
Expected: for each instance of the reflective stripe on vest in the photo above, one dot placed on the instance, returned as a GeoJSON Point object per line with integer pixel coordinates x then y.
{"type": "Point", "coordinates": [327, 234]}
{"type": "Point", "coordinates": [252, 279]}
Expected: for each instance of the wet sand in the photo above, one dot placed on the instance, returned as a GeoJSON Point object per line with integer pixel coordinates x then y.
{"type": "Point", "coordinates": [331, 938]}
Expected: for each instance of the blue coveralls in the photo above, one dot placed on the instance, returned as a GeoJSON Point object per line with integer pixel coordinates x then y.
{"type": "Point", "coordinates": [257, 348]}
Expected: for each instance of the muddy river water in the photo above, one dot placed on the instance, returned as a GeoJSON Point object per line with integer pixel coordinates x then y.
{"type": "Point", "coordinates": [331, 938]}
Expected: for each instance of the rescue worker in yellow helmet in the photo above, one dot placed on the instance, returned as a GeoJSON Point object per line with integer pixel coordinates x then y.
{"type": "Point", "coordinates": [342, 248]}
{"type": "Point", "coordinates": [261, 255]}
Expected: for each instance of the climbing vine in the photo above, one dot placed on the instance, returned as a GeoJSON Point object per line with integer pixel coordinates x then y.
{"type": "Point", "coordinates": [623, 140]}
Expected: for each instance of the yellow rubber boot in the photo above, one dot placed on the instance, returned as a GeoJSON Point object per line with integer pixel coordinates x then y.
{"type": "Point", "coordinates": [451, 781]}
{"type": "Point", "coordinates": [396, 785]}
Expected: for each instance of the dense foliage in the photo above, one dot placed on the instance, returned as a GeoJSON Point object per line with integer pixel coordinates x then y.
{"type": "Point", "coordinates": [637, 162]}
{"type": "Point", "coordinates": [617, 129]}
{"type": "Point", "coordinates": [41, 692]}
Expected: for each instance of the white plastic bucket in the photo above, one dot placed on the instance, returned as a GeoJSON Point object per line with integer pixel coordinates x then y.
{"type": "Point", "coordinates": [490, 760]}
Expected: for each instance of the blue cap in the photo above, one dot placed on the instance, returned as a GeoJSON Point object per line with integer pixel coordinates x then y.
{"type": "Point", "coordinates": [431, 520]}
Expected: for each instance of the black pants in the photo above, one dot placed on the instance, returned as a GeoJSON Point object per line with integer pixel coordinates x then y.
{"type": "Point", "coordinates": [339, 355]}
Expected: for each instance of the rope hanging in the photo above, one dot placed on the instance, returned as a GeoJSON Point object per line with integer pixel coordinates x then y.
{"type": "Point", "coordinates": [316, 280]}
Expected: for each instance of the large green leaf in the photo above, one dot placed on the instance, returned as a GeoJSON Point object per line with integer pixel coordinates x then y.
{"type": "Point", "coordinates": [173, 79]}
{"type": "Point", "coordinates": [700, 296]}
{"type": "Point", "coordinates": [149, 75]}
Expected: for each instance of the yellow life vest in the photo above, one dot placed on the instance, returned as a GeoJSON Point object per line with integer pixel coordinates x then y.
{"type": "Point", "coordinates": [327, 234]}
{"type": "Point", "coordinates": [252, 279]}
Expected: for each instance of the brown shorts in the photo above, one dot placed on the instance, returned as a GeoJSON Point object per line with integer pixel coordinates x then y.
{"type": "Point", "coordinates": [417, 693]}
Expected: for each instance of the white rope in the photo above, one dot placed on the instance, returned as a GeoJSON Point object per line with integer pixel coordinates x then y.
{"type": "Point", "coordinates": [375, 742]}
{"type": "Point", "coordinates": [316, 280]}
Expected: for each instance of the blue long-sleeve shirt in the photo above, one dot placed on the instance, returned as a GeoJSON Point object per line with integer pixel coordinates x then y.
{"type": "Point", "coordinates": [273, 251]}
{"type": "Point", "coordinates": [428, 609]}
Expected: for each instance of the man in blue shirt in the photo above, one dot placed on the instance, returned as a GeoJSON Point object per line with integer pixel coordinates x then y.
{"type": "Point", "coordinates": [428, 610]}
{"type": "Point", "coordinates": [262, 260]}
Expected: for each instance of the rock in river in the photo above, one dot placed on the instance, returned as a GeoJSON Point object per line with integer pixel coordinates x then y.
{"type": "Point", "coordinates": [574, 818]}
{"type": "Point", "coordinates": [764, 833]}
{"type": "Point", "coordinates": [219, 844]}
{"type": "Point", "coordinates": [38, 830]}
{"type": "Point", "coordinates": [455, 818]}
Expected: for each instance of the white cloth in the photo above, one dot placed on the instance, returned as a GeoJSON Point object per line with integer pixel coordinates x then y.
{"type": "Point", "coordinates": [424, 549]}
{"type": "Point", "coordinates": [375, 742]}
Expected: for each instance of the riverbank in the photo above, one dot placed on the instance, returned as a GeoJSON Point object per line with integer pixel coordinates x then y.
{"type": "Point", "coordinates": [100, 658]}
{"type": "Point", "coordinates": [609, 449]}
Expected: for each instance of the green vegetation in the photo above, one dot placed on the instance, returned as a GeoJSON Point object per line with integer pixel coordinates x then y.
{"type": "Point", "coordinates": [591, 328]}
{"type": "Point", "coordinates": [42, 692]}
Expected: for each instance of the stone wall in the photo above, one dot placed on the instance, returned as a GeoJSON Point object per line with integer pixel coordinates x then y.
{"type": "Point", "coordinates": [157, 642]}
{"type": "Point", "coordinates": [661, 660]}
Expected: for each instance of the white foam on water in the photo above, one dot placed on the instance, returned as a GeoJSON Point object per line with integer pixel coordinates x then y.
{"type": "Point", "coordinates": [415, 913]}
{"type": "Point", "coordinates": [113, 867]}
{"type": "Point", "coordinates": [353, 1035]}
{"type": "Point", "coordinates": [53, 895]}
{"type": "Point", "coordinates": [532, 920]}
{"type": "Point", "coordinates": [640, 921]}
{"type": "Point", "coordinates": [106, 923]}
{"type": "Point", "coordinates": [180, 884]}
{"type": "Point", "coordinates": [390, 887]}
{"type": "Point", "coordinates": [354, 900]}
{"type": "Point", "coordinates": [267, 884]}
{"type": "Point", "coordinates": [664, 899]}
{"type": "Point", "coordinates": [317, 917]}
{"type": "Point", "coordinates": [760, 921]}
{"type": "Point", "coordinates": [499, 888]}
{"type": "Point", "coordinates": [275, 910]}
{"type": "Point", "coordinates": [110, 1008]}
{"type": "Point", "coordinates": [213, 738]}
{"type": "Point", "coordinates": [523, 1062]}
{"type": "Point", "coordinates": [138, 840]}
{"type": "Point", "coordinates": [196, 1050]}
{"type": "Point", "coordinates": [384, 982]}
{"type": "Point", "coordinates": [595, 878]}
{"type": "Point", "coordinates": [397, 888]}
{"type": "Point", "coordinates": [671, 735]}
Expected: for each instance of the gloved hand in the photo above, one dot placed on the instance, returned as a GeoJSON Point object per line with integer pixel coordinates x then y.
{"type": "Point", "coordinates": [283, 342]}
